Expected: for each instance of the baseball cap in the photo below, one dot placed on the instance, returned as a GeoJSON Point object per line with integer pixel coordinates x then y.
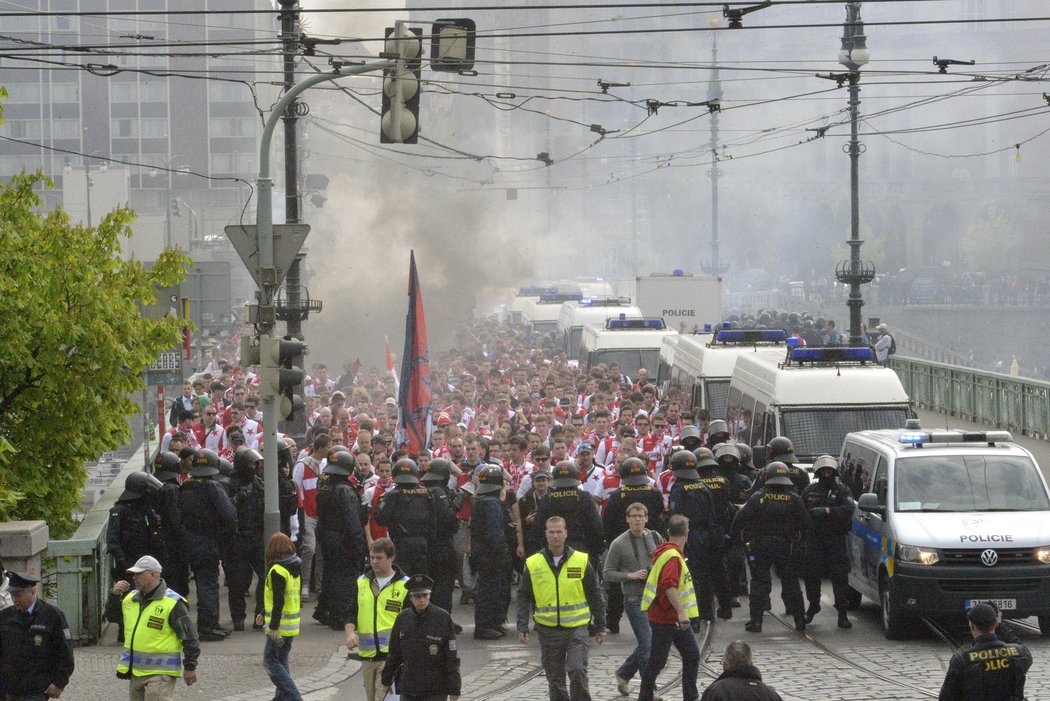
{"type": "Point", "coordinates": [982, 615]}
{"type": "Point", "coordinates": [146, 563]}
{"type": "Point", "coordinates": [585, 448]}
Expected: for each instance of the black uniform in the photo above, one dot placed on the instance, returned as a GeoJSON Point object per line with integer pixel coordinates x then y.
{"type": "Point", "coordinates": [989, 670]}
{"type": "Point", "coordinates": [441, 555]}
{"type": "Point", "coordinates": [719, 486]}
{"type": "Point", "coordinates": [489, 560]}
{"type": "Point", "coordinates": [35, 650]}
{"type": "Point", "coordinates": [288, 503]}
{"type": "Point", "coordinates": [775, 521]}
{"type": "Point", "coordinates": [134, 530]}
{"type": "Point", "coordinates": [247, 553]}
{"type": "Point", "coordinates": [830, 505]}
{"type": "Point", "coordinates": [423, 656]}
{"type": "Point", "coordinates": [166, 504]}
{"type": "Point", "coordinates": [530, 504]}
{"type": "Point", "coordinates": [582, 520]}
{"type": "Point", "coordinates": [407, 512]}
{"type": "Point", "coordinates": [739, 484]}
{"type": "Point", "coordinates": [692, 499]}
{"type": "Point", "coordinates": [615, 521]}
{"type": "Point", "coordinates": [208, 515]}
{"type": "Point", "coordinates": [341, 538]}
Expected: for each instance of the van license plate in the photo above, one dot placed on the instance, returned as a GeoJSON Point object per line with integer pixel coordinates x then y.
{"type": "Point", "coordinates": [1002, 604]}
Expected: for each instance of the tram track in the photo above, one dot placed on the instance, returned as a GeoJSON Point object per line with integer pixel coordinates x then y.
{"type": "Point", "coordinates": [928, 693]}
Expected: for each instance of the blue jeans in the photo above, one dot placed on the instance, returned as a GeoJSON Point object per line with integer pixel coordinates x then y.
{"type": "Point", "coordinates": [275, 662]}
{"type": "Point", "coordinates": [643, 633]}
{"type": "Point", "coordinates": [665, 635]}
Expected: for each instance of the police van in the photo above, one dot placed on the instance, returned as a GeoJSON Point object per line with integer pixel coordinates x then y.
{"type": "Point", "coordinates": [946, 519]}
{"type": "Point", "coordinates": [703, 364]}
{"type": "Point", "coordinates": [632, 343]}
{"type": "Point", "coordinates": [573, 316]}
{"type": "Point", "coordinates": [814, 396]}
{"type": "Point", "coordinates": [541, 315]}
{"type": "Point", "coordinates": [526, 296]}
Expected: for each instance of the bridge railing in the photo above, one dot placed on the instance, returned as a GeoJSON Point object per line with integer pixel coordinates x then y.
{"type": "Point", "coordinates": [83, 563]}
{"type": "Point", "coordinates": [1019, 404]}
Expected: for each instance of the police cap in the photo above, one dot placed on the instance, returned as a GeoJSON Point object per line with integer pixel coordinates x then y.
{"type": "Point", "coordinates": [633, 473]}
{"type": "Point", "coordinates": [982, 615]}
{"type": "Point", "coordinates": [20, 581]}
{"type": "Point", "coordinates": [406, 471]}
{"type": "Point", "coordinates": [419, 584]}
{"type": "Point", "coordinates": [566, 475]}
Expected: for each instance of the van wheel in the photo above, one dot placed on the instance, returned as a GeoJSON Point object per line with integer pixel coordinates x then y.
{"type": "Point", "coordinates": [1044, 626]}
{"type": "Point", "coordinates": [893, 623]}
{"type": "Point", "coordinates": [853, 599]}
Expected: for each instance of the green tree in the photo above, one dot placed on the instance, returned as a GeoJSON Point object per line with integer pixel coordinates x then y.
{"type": "Point", "coordinates": [73, 348]}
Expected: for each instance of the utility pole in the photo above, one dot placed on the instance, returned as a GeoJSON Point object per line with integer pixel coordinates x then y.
{"type": "Point", "coordinates": [714, 265]}
{"type": "Point", "coordinates": [87, 189]}
{"type": "Point", "coordinates": [295, 312]}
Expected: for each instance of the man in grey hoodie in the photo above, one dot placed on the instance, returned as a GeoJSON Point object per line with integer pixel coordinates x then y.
{"type": "Point", "coordinates": [627, 564]}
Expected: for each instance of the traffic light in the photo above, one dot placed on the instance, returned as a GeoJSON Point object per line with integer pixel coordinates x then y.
{"type": "Point", "coordinates": [173, 204]}
{"type": "Point", "coordinates": [279, 377]}
{"type": "Point", "coordinates": [400, 115]}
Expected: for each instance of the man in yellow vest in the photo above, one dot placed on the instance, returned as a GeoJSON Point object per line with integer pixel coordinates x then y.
{"type": "Point", "coordinates": [561, 590]}
{"type": "Point", "coordinates": [160, 640]}
{"type": "Point", "coordinates": [670, 601]}
{"type": "Point", "coordinates": [376, 598]}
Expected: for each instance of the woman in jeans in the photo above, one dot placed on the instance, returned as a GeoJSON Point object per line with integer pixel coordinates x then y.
{"type": "Point", "coordinates": [281, 613]}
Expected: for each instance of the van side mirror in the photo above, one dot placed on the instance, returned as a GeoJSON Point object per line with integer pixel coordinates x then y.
{"type": "Point", "coordinates": [759, 458]}
{"type": "Point", "coordinates": [869, 503]}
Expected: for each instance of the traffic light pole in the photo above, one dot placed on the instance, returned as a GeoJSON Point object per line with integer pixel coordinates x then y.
{"type": "Point", "coordinates": [268, 273]}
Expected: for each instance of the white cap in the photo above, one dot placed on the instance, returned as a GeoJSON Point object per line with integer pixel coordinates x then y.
{"type": "Point", "coordinates": [146, 563]}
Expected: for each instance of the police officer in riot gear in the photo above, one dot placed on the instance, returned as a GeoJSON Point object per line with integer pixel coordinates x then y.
{"type": "Point", "coordinates": [711, 474]}
{"type": "Point", "coordinates": [246, 551]}
{"type": "Point", "coordinates": [208, 515]}
{"type": "Point", "coordinates": [134, 528]}
{"type": "Point", "coordinates": [341, 537]}
{"type": "Point", "coordinates": [830, 505]}
{"type": "Point", "coordinates": [287, 493]}
{"type": "Point", "coordinates": [717, 433]}
{"type": "Point", "coordinates": [691, 498]}
{"type": "Point", "coordinates": [990, 669]}
{"type": "Point", "coordinates": [781, 449]}
{"type": "Point", "coordinates": [166, 468]}
{"type": "Point", "coordinates": [728, 456]}
{"type": "Point", "coordinates": [775, 520]}
{"type": "Point", "coordinates": [747, 466]}
{"type": "Point", "coordinates": [407, 512]}
{"type": "Point", "coordinates": [441, 555]}
{"type": "Point", "coordinates": [582, 520]}
{"type": "Point", "coordinates": [490, 555]}
{"type": "Point", "coordinates": [690, 438]}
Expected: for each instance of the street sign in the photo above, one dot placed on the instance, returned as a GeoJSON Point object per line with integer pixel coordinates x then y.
{"type": "Point", "coordinates": [166, 369]}
{"type": "Point", "coordinates": [287, 241]}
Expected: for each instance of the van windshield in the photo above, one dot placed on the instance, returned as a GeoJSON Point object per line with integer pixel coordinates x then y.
{"type": "Point", "coordinates": [630, 359]}
{"type": "Point", "coordinates": [968, 483]}
{"type": "Point", "coordinates": [816, 432]}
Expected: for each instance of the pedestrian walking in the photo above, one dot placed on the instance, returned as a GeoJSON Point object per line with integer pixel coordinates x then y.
{"type": "Point", "coordinates": [990, 669]}
{"type": "Point", "coordinates": [561, 591]}
{"type": "Point", "coordinates": [740, 680]}
{"type": "Point", "coordinates": [626, 568]}
{"type": "Point", "coordinates": [281, 611]}
{"type": "Point", "coordinates": [36, 650]}
{"type": "Point", "coordinates": [161, 642]}
{"type": "Point", "coordinates": [669, 599]}
{"type": "Point", "coordinates": [377, 598]}
{"type": "Point", "coordinates": [423, 658]}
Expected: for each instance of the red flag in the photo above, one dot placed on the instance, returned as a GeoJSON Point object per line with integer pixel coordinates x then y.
{"type": "Point", "coordinates": [413, 406]}
{"type": "Point", "coordinates": [389, 358]}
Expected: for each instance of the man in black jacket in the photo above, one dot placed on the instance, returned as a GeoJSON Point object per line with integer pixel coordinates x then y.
{"type": "Point", "coordinates": [740, 680]}
{"type": "Point", "coordinates": [36, 652]}
{"type": "Point", "coordinates": [830, 505]}
{"type": "Point", "coordinates": [991, 668]}
{"type": "Point", "coordinates": [422, 657]}
{"type": "Point", "coordinates": [341, 535]}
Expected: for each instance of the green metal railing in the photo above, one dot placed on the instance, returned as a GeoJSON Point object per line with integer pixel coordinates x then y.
{"type": "Point", "coordinates": [1019, 404]}
{"type": "Point", "coordinates": [83, 566]}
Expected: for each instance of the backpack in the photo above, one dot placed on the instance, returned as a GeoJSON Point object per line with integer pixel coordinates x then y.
{"type": "Point", "coordinates": [893, 345]}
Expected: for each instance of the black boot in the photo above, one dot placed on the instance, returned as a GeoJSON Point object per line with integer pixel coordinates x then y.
{"type": "Point", "coordinates": [800, 623]}
{"type": "Point", "coordinates": [754, 625]}
{"type": "Point", "coordinates": [725, 612]}
{"type": "Point", "coordinates": [844, 620]}
{"type": "Point", "coordinates": [812, 611]}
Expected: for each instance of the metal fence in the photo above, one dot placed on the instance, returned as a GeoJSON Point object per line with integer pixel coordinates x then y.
{"type": "Point", "coordinates": [83, 564]}
{"type": "Point", "coordinates": [1015, 403]}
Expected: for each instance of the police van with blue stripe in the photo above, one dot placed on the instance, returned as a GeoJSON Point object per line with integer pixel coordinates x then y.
{"type": "Point", "coordinates": [946, 519]}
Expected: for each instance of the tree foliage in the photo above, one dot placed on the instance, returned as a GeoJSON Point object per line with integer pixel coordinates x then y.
{"type": "Point", "coordinates": [73, 348]}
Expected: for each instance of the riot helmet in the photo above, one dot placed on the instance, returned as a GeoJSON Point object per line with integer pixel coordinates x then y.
{"type": "Point", "coordinates": [490, 480]}
{"type": "Point", "coordinates": [342, 463]}
{"type": "Point", "coordinates": [137, 484]}
{"type": "Point", "coordinates": [440, 470]}
{"type": "Point", "coordinates": [633, 473]}
{"type": "Point", "coordinates": [683, 465]}
{"type": "Point", "coordinates": [704, 457]}
{"type": "Point", "coordinates": [777, 474]}
{"type": "Point", "coordinates": [246, 459]}
{"type": "Point", "coordinates": [166, 466]}
{"type": "Point", "coordinates": [406, 471]}
{"type": "Point", "coordinates": [826, 466]}
{"type": "Point", "coordinates": [205, 463]}
{"type": "Point", "coordinates": [727, 454]}
{"type": "Point", "coordinates": [782, 449]}
{"type": "Point", "coordinates": [566, 475]}
{"type": "Point", "coordinates": [690, 437]}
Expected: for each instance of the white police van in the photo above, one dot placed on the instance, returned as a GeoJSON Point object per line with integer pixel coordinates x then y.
{"type": "Point", "coordinates": [946, 519]}
{"type": "Point", "coordinates": [573, 316]}
{"type": "Point", "coordinates": [540, 316]}
{"type": "Point", "coordinates": [632, 343]}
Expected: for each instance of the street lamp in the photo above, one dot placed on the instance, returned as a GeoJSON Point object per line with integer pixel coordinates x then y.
{"type": "Point", "coordinates": [854, 272]}
{"type": "Point", "coordinates": [168, 162]}
{"type": "Point", "coordinates": [714, 266]}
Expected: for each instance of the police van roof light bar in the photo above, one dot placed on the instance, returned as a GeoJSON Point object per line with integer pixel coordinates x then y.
{"type": "Point", "coordinates": [558, 298]}
{"type": "Point", "coordinates": [833, 354]}
{"type": "Point", "coordinates": [605, 302]}
{"type": "Point", "coordinates": [635, 323]}
{"type": "Point", "coordinates": [919, 438]}
{"type": "Point", "coordinates": [751, 336]}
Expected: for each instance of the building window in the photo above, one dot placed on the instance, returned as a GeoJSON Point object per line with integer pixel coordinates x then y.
{"type": "Point", "coordinates": [154, 129]}
{"type": "Point", "coordinates": [65, 128]}
{"type": "Point", "coordinates": [65, 92]}
{"type": "Point", "coordinates": [232, 126]}
{"type": "Point", "coordinates": [154, 90]}
{"type": "Point", "coordinates": [23, 93]}
{"type": "Point", "coordinates": [123, 92]}
{"type": "Point", "coordinates": [124, 128]}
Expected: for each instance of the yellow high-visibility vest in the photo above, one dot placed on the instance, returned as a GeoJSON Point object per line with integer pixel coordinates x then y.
{"type": "Point", "coordinates": [686, 593]}
{"type": "Point", "coordinates": [288, 626]}
{"type": "Point", "coordinates": [560, 600]}
{"type": "Point", "coordinates": [151, 645]}
{"type": "Point", "coordinates": [376, 614]}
